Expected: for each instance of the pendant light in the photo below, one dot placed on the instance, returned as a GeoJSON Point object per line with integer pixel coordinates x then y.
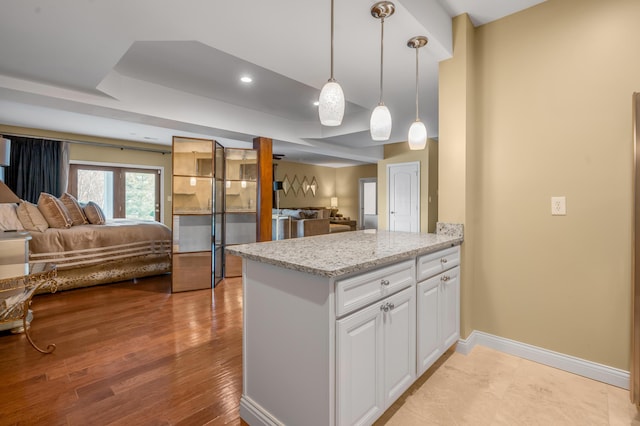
{"type": "Point", "coordinates": [380, 124]}
{"type": "Point", "coordinates": [331, 101]}
{"type": "Point", "coordinates": [417, 132]}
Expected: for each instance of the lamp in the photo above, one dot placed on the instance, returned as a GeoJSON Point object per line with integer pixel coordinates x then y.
{"type": "Point", "coordinates": [5, 152]}
{"type": "Point", "coordinates": [334, 202]}
{"type": "Point", "coordinates": [331, 101]}
{"type": "Point", "coordinates": [417, 137]}
{"type": "Point", "coordinates": [380, 124]}
{"type": "Point", "coordinates": [7, 195]}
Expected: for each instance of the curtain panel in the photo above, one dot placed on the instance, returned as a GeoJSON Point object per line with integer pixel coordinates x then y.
{"type": "Point", "coordinates": [37, 165]}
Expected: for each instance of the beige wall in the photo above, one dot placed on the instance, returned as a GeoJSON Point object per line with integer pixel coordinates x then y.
{"type": "Point", "coordinates": [400, 153]}
{"type": "Point", "coordinates": [332, 182]}
{"type": "Point", "coordinates": [348, 188]}
{"type": "Point", "coordinates": [548, 112]}
{"type": "Point", "coordinates": [92, 153]}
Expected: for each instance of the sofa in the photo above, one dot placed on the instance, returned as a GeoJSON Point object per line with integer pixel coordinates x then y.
{"type": "Point", "coordinates": [303, 222]}
{"type": "Point", "coordinates": [296, 223]}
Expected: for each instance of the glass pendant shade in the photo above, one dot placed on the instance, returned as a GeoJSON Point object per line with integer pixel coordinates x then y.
{"type": "Point", "coordinates": [331, 107]}
{"type": "Point", "coordinates": [417, 135]}
{"type": "Point", "coordinates": [380, 124]}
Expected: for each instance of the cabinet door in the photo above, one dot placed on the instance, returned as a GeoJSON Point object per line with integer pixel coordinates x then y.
{"type": "Point", "coordinates": [399, 325]}
{"type": "Point", "coordinates": [450, 307]}
{"type": "Point", "coordinates": [359, 367]}
{"type": "Point", "coordinates": [429, 314]}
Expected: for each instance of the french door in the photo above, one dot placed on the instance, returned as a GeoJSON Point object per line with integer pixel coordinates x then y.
{"type": "Point", "coordinates": [121, 192]}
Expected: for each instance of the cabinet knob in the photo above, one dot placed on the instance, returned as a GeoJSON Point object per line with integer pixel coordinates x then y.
{"type": "Point", "coordinates": [445, 278]}
{"type": "Point", "coordinates": [384, 282]}
{"type": "Point", "coordinates": [387, 307]}
{"type": "Point", "coordinates": [443, 260]}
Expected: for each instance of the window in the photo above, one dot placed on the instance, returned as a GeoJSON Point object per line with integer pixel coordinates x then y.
{"type": "Point", "coordinates": [121, 192]}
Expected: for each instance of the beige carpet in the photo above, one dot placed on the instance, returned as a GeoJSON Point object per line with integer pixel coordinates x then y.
{"type": "Point", "coordinates": [488, 387]}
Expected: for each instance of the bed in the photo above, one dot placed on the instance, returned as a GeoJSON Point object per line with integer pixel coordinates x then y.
{"type": "Point", "coordinates": [87, 255]}
{"type": "Point", "coordinates": [86, 248]}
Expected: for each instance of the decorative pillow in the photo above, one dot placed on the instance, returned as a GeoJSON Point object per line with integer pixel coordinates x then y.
{"type": "Point", "coordinates": [74, 209]}
{"type": "Point", "coordinates": [9, 218]}
{"type": "Point", "coordinates": [54, 211]}
{"type": "Point", "coordinates": [94, 213]}
{"type": "Point", "coordinates": [30, 217]}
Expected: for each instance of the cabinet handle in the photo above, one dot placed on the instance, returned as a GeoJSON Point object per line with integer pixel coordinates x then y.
{"type": "Point", "coordinates": [445, 278]}
{"type": "Point", "coordinates": [384, 282]}
{"type": "Point", "coordinates": [443, 260]}
{"type": "Point", "coordinates": [387, 307]}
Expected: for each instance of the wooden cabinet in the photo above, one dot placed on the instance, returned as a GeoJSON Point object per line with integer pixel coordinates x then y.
{"type": "Point", "coordinates": [438, 306]}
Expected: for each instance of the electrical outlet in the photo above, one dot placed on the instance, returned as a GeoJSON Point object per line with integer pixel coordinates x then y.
{"type": "Point", "coordinates": [558, 206]}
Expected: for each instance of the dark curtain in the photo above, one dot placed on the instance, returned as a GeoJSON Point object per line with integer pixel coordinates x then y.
{"type": "Point", "coordinates": [36, 166]}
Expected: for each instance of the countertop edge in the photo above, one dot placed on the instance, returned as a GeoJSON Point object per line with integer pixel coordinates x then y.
{"type": "Point", "coordinates": [352, 268]}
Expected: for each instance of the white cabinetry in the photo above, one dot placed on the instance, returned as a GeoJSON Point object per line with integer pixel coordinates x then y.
{"type": "Point", "coordinates": [438, 305]}
{"type": "Point", "coordinates": [324, 350]}
{"type": "Point", "coordinates": [375, 357]}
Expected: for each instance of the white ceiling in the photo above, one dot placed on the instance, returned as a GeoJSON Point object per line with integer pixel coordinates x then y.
{"type": "Point", "coordinates": [145, 70]}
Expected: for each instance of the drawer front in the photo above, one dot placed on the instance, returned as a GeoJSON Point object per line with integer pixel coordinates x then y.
{"type": "Point", "coordinates": [434, 263]}
{"type": "Point", "coordinates": [359, 291]}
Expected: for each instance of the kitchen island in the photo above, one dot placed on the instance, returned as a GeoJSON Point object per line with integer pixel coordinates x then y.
{"type": "Point", "coordinates": [337, 327]}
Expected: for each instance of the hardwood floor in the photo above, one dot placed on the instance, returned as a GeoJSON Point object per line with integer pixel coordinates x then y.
{"type": "Point", "coordinates": [133, 354]}
{"type": "Point", "coordinates": [128, 353]}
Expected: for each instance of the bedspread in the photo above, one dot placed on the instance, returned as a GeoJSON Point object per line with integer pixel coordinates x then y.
{"type": "Point", "coordinates": [87, 245]}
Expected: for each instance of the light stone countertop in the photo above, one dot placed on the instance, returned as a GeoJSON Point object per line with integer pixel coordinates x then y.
{"type": "Point", "coordinates": [344, 252]}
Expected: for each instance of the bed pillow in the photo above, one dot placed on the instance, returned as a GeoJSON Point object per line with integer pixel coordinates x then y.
{"type": "Point", "coordinates": [9, 218]}
{"type": "Point", "coordinates": [73, 207]}
{"type": "Point", "coordinates": [94, 213]}
{"type": "Point", "coordinates": [30, 217]}
{"type": "Point", "coordinates": [55, 213]}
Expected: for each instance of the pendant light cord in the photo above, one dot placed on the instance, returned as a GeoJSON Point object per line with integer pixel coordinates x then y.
{"type": "Point", "coordinates": [381, 56]}
{"type": "Point", "coordinates": [417, 115]}
{"type": "Point", "coordinates": [331, 79]}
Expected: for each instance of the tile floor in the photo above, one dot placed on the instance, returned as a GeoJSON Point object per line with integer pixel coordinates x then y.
{"type": "Point", "coordinates": [488, 387]}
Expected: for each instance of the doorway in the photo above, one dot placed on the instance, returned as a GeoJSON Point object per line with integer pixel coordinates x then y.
{"type": "Point", "coordinates": [403, 183]}
{"type": "Point", "coordinates": [368, 217]}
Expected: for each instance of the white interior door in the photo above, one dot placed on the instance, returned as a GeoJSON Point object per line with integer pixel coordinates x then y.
{"type": "Point", "coordinates": [404, 196]}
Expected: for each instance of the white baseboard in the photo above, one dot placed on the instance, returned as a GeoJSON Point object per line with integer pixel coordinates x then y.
{"type": "Point", "coordinates": [592, 370]}
{"type": "Point", "coordinates": [254, 414]}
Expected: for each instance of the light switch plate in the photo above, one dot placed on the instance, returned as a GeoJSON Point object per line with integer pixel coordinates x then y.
{"type": "Point", "coordinates": [558, 206]}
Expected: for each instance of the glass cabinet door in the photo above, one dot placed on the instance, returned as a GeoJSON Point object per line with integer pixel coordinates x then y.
{"type": "Point", "coordinates": [193, 207]}
{"type": "Point", "coordinates": [241, 191]}
{"type": "Point", "coordinates": [218, 214]}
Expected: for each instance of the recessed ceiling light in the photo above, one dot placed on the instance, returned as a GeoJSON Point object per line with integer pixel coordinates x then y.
{"type": "Point", "coordinates": [316, 103]}
{"type": "Point", "coordinates": [246, 79]}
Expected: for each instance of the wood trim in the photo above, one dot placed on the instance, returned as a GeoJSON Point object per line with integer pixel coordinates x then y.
{"type": "Point", "coordinates": [264, 205]}
{"type": "Point", "coordinates": [635, 250]}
